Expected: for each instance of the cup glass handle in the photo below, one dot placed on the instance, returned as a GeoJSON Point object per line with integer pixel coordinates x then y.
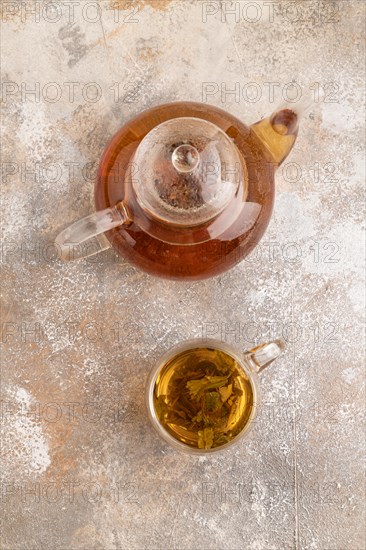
{"type": "Point", "coordinates": [260, 357]}
{"type": "Point", "coordinates": [89, 232]}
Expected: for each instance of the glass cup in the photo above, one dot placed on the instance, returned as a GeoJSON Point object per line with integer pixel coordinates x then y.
{"type": "Point", "coordinates": [248, 365]}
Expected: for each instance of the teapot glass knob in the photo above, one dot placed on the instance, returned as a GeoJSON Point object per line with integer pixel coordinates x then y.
{"type": "Point", "coordinates": [185, 158]}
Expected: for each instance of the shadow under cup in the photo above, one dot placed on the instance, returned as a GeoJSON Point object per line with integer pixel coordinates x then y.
{"type": "Point", "coordinates": [202, 397]}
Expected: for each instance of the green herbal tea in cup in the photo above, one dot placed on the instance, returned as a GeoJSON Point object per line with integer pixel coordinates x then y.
{"type": "Point", "coordinates": [202, 398]}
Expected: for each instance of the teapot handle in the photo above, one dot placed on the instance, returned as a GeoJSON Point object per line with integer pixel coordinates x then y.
{"type": "Point", "coordinates": [262, 356]}
{"type": "Point", "coordinates": [88, 231]}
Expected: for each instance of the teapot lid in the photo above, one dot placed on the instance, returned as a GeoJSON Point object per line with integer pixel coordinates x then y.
{"type": "Point", "coordinates": [187, 170]}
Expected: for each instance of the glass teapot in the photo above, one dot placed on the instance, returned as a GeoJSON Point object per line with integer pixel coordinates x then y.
{"type": "Point", "coordinates": [185, 190]}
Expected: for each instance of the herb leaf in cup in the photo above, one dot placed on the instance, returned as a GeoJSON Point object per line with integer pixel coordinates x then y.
{"type": "Point", "coordinates": [203, 397]}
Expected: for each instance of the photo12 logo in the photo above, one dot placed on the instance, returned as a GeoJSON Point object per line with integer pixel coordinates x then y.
{"type": "Point", "coordinates": [271, 92]}
{"type": "Point", "coordinates": [69, 332]}
{"type": "Point", "coordinates": [253, 332]}
{"type": "Point", "coordinates": [67, 412]}
{"type": "Point", "coordinates": [129, 91]}
{"type": "Point", "coordinates": [273, 491]}
{"type": "Point", "coordinates": [67, 11]}
{"type": "Point", "coordinates": [270, 12]}
{"type": "Point", "coordinates": [69, 492]}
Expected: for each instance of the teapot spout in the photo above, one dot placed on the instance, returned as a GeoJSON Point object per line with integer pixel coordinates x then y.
{"type": "Point", "coordinates": [278, 132]}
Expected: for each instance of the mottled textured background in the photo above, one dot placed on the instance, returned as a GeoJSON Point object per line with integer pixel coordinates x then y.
{"type": "Point", "coordinates": [82, 468]}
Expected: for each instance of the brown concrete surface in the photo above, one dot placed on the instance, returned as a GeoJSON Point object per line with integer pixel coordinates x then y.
{"type": "Point", "coordinates": [81, 466]}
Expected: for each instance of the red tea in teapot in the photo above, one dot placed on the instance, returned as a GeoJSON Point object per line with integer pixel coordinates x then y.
{"type": "Point", "coordinates": [186, 190]}
{"type": "Point", "coordinates": [215, 245]}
